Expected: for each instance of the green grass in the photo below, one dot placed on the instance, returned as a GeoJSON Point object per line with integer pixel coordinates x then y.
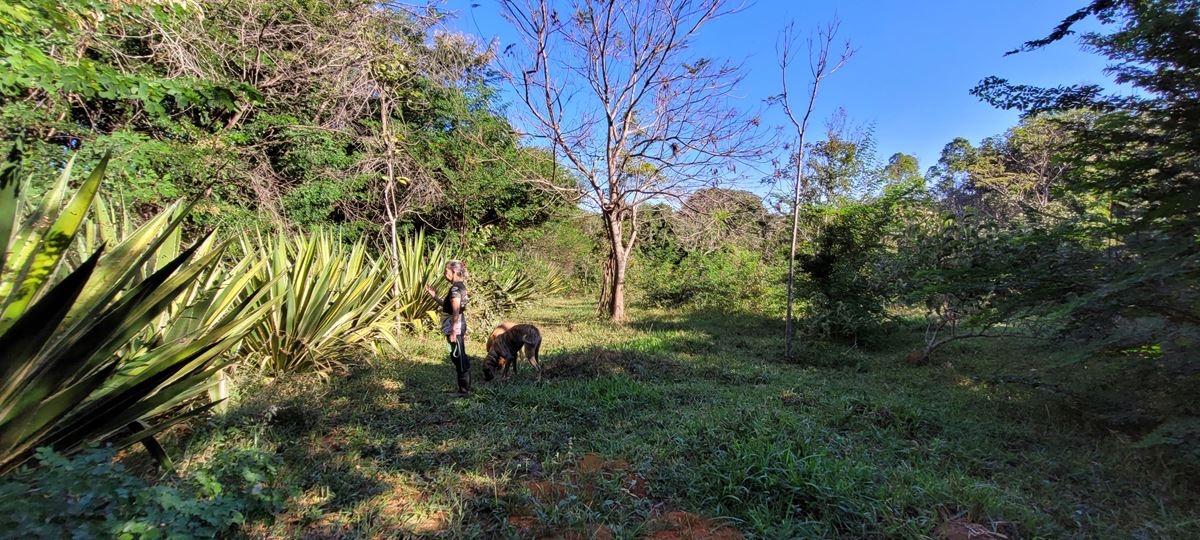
{"type": "Point", "coordinates": [697, 412]}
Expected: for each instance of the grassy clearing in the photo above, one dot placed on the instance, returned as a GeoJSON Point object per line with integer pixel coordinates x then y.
{"type": "Point", "coordinates": [688, 424]}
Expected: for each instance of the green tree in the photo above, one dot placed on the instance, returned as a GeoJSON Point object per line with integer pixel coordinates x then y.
{"type": "Point", "coordinates": [950, 176]}
{"type": "Point", "coordinates": [902, 168]}
{"type": "Point", "coordinates": [713, 217]}
{"type": "Point", "coordinates": [1137, 156]}
{"type": "Point", "coordinates": [1020, 174]}
{"type": "Point", "coordinates": [342, 113]}
{"type": "Point", "coordinates": [79, 74]}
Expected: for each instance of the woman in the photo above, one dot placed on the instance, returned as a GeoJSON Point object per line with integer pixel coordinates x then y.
{"type": "Point", "coordinates": [454, 321]}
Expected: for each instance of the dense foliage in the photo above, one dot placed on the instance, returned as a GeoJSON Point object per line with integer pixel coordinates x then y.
{"type": "Point", "coordinates": [350, 113]}
{"type": "Point", "coordinates": [342, 151]}
{"type": "Point", "coordinates": [90, 496]}
{"type": "Point", "coordinates": [81, 364]}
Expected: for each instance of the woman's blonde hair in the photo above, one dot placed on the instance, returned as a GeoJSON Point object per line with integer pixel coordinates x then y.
{"type": "Point", "coordinates": [458, 267]}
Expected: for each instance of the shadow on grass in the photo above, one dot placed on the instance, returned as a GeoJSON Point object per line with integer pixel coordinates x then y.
{"type": "Point", "coordinates": [756, 337]}
{"type": "Point", "coordinates": [387, 451]}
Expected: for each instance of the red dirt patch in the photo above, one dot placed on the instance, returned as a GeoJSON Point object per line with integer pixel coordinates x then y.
{"type": "Point", "coordinates": [960, 529]}
{"type": "Point", "coordinates": [400, 500]}
{"type": "Point", "coordinates": [581, 481]}
{"type": "Point", "coordinates": [430, 524]}
{"type": "Point", "coordinates": [523, 524]}
{"type": "Point", "coordinates": [686, 525]}
{"type": "Point", "coordinates": [590, 463]}
{"type": "Point", "coordinates": [546, 492]}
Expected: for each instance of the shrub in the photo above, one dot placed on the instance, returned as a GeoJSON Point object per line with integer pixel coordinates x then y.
{"type": "Point", "coordinates": [328, 300]}
{"type": "Point", "coordinates": [730, 277]}
{"type": "Point", "coordinates": [501, 284]}
{"type": "Point", "coordinates": [91, 496]}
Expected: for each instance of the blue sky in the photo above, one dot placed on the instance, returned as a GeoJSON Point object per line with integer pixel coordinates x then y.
{"type": "Point", "coordinates": [914, 62]}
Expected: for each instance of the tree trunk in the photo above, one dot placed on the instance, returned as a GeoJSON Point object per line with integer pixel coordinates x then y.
{"type": "Point", "coordinates": [617, 312]}
{"type": "Point", "coordinates": [389, 203]}
{"type": "Point", "coordinates": [612, 299]}
{"type": "Point", "coordinates": [819, 65]}
{"type": "Point", "coordinates": [606, 280]}
{"type": "Point", "coordinates": [789, 328]}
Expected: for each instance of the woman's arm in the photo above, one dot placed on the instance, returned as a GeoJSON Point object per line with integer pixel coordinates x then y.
{"type": "Point", "coordinates": [455, 318]}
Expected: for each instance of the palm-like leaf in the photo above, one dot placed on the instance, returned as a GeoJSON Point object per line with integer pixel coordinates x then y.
{"type": "Point", "coordinates": [417, 263]}
{"type": "Point", "coordinates": [68, 375]}
{"type": "Point", "coordinates": [36, 251]}
{"type": "Point", "coordinates": [328, 300]}
{"type": "Point", "coordinates": [502, 285]}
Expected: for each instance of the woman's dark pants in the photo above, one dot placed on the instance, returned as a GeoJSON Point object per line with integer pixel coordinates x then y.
{"type": "Point", "coordinates": [462, 364]}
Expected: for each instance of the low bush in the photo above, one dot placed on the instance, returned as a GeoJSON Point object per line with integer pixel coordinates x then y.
{"type": "Point", "coordinates": [729, 278]}
{"type": "Point", "coordinates": [92, 496]}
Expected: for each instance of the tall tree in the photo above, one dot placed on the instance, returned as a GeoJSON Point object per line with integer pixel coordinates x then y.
{"type": "Point", "coordinates": [902, 168]}
{"type": "Point", "coordinates": [1138, 154]}
{"type": "Point", "coordinates": [1014, 175]}
{"type": "Point", "coordinates": [1144, 149]}
{"type": "Point", "coordinates": [614, 89]}
{"type": "Point", "coordinates": [820, 67]}
{"type": "Point", "coordinates": [950, 176]}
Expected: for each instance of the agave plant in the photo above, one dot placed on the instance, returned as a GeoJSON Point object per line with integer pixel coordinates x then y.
{"type": "Point", "coordinates": [501, 285]}
{"type": "Point", "coordinates": [417, 263]}
{"type": "Point", "coordinates": [328, 298]}
{"type": "Point", "coordinates": [218, 291]}
{"type": "Point", "coordinates": [67, 376]}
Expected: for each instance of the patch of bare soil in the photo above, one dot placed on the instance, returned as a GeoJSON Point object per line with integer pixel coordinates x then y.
{"type": "Point", "coordinates": [686, 525]}
{"type": "Point", "coordinates": [582, 481]}
{"type": "Point", "coordinates": [961, 529]}
{"type": "Point", "coordinates": [400, 500]}
{"type": "Point", "coordinates": [430, 524]}
{"type": "Point", "coordinates": [599, 363]}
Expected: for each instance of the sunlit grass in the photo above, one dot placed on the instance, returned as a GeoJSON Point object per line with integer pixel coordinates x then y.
{"type": "Point", "coordinates": [696, 414]}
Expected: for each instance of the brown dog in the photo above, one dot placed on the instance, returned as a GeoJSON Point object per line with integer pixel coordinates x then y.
{"type": "Point", "coordinates": [498, 331]}
{"type": "Point", "coordinates": [505, 343]}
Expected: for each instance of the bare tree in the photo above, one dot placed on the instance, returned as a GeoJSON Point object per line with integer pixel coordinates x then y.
{"type": "Point", "coordinates": [820, 67]}
{"type": "Point", "coordinates": [616, 93]}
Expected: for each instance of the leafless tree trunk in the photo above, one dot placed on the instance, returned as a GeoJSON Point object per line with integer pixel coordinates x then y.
{"type": "Point", "coordinates": [612, 88]}
{"type": "Point", "coordinates": [820, 68]}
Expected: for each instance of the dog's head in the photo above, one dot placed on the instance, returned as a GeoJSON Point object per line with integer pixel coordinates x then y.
{"type": "Point", "coordinates": [491, 365]}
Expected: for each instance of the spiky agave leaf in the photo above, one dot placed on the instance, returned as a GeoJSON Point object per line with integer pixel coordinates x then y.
{"type": "Point", "coordinates": [36, 250]}
{"type": "Point", "coordinates": [61, 381]}
{"type": "Point", "coordinates": [329, 299]}
{"type": "Point", "coordinates": [418, 263]}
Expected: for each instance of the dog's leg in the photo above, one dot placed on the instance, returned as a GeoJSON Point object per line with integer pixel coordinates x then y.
{"type": "Point", "coordinates": [531, 352]}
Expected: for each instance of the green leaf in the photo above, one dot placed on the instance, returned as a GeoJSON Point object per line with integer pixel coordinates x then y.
{"type": "Point", "coordinates": [53, 245]}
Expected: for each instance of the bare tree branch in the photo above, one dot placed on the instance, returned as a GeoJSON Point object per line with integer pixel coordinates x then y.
{"type": "Point", "coordinates": [819, 69]}
{"type": "Point", "coordinates": [613, 88]}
